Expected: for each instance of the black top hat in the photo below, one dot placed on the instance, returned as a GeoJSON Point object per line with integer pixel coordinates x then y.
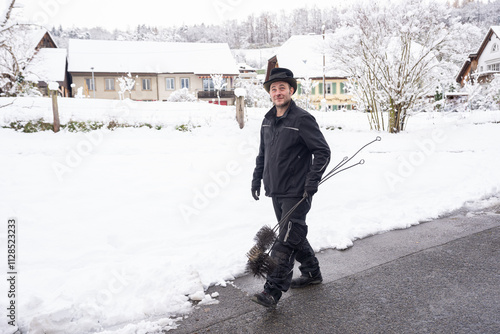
{"type": "Point", "coordinates": [281, 74]}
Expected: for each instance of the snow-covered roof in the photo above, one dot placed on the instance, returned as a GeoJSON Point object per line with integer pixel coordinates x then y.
{"type": "Point", "coordinates": [31, 36]}
{"type": "Point", "coordinates": [303, 55]}
{"type": "Point", "coordinates": [496, 30]}
{"type": "Point", "coordinates": [493, 29]}
{"type": "Point", "coordinates": [49, 64]}
{"type": "Point", "coordinates": [150, 57]}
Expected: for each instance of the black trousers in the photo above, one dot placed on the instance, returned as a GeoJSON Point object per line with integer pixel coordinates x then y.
{"type": "Point", "coordinates": [291, 245]}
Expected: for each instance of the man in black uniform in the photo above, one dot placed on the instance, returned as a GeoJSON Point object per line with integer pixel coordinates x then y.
{"type": "Point", "coordinates": [293, 155]}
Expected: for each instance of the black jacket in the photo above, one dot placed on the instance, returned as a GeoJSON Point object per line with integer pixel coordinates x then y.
{"type": "Point", "coordinates": [293, 152]}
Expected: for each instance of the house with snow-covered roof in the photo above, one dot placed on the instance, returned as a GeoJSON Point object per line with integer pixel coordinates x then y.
{"type": "Point", "coordinates": [247, 71]}
{"type": "Point", "coordinates": [49, 65]}
{"type": "Point", "coordinates": [158, 68]}
{"type": "Point", "coordinates": [36, 52]}
{"type": "Point", "coordinates": [307, 57]}
{"type": "Point", "coordinates": [39, 38]}
{"type": "Point", "coordinates": [480, 65]}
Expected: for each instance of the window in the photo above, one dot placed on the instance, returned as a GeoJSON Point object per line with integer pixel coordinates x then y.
{"type": "Point", "coordinates": [185, 83]}
{"type": "Point", "coordinates": [90, 84]}
{"type": "Point", "coordinates": [109, 84]}
{"type": "Point", "coordinates": [342, 90]}
{"type": "Point", "coordinates": [494, 48]}
{"type": "Point", "coordinates": [328, 88]}
{"type": "Point", "coordinates": [208, 84]}
{"type": "Point", "coordinates": [493, 67]}
{"type": "Point", "coordinates": [146, 84]}
{"type": "Point", "coordinates": [169, 84]}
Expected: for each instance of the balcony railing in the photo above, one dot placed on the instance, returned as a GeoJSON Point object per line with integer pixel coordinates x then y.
{"type": "Point", "coordinates": [213, 94]}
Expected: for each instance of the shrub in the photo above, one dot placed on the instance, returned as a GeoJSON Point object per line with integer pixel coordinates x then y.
{"type": "Point", "coordinates": [181, 95]}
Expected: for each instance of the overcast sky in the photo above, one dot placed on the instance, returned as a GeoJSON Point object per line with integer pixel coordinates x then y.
{"type": "Point", "coordinates": [124, 14]}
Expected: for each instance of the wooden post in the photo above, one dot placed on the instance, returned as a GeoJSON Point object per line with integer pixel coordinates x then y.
{"type": "Point", "coordinates": [240, 110]}
{"type": "Point", "coordinates": [55, 108]}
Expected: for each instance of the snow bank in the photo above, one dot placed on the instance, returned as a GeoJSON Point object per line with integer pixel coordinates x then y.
{"type": "Point", "coordinates": [122, 231]}
{"type": "Point", "coordinates": [166, 114]}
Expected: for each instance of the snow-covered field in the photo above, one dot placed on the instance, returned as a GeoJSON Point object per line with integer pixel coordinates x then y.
{"type": "Point", "coordinates": [120, 231]}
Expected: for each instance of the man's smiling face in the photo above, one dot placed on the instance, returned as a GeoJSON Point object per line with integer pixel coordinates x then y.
{"type": "Point", "coordinates": [281, 93]}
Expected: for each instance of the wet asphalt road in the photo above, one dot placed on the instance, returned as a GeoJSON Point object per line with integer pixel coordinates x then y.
{"type": "Point", "coordinates": [441, 276]}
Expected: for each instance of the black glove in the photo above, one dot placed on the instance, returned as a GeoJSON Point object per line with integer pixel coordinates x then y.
{"type": "Point", "coordinates": [310, 190]}
{"type": "Point", "coordinates": [256, 193]}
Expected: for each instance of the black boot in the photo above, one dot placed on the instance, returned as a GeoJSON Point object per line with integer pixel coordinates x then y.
{"type": "Point", "coordinates": [266, 298]}
{"type": "Point", "coordinates": [306, 280]}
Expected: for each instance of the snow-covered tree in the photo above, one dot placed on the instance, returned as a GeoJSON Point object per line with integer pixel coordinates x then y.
{"type": "Point", "coordinates": [465, 39]}
{"type": "Point", "coordinates": [484, 96]}
{"type": "Point", "coordinates": [16, 51]}
{"type": "Point", "coordinates": [256, 95]}
{"type": "Point", "coordinates": [307, 85]}
{"type": "Point", "coordinates": [390, 53]}
{"type": "Point", "coordinates": [265, 29]}
{"type": "Point", "coordinates": [7, 77]}
{"type": "Point", "coordinates": [219, 84]}
{"type": "Point", "coordinates": [493, 91]}
{"type": "Point", "coordinates": [126, 84]}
